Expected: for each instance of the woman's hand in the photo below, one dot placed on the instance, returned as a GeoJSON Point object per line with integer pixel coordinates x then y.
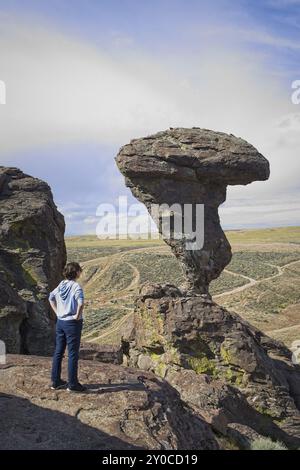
{"type": "Point", "coordinates": [53, 306]}
{"type": "Point", "coordinates": [78, 315]}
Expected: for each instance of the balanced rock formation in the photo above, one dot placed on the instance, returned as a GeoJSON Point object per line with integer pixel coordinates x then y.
{"type": "Point", "coordinates": [32, 256]}
{"type": "Point", "coordinates": [237, 378]}
{"type": "Point", "coordinates": [188, 168]}
{"type": "Point", "coordinates": [122, 410]}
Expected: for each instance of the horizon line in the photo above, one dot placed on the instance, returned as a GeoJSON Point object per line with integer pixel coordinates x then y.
{"type": "Point", "coordinates": [138, 236]}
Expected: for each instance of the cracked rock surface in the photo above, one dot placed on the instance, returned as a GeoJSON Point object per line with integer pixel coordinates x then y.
{"type": "Point", "coordinates": [240, 380]}
{"type": "Point", "coordinates": [123, 409]}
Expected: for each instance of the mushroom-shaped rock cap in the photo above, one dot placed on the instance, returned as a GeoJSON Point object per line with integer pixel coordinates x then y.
{"type": "Point", "coordinates": [193, 167]}
{"type": "Point", "coordinates": [193, 155]}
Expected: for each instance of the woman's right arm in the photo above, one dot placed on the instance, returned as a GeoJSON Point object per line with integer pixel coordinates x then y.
{"type": "Point", "coordinates": [78, 315]}
{"type": "Point", "coordinates": [53, 306]}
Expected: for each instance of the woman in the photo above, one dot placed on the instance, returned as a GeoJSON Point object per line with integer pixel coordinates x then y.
{"type": "Point", "coordinates": [67, 301]}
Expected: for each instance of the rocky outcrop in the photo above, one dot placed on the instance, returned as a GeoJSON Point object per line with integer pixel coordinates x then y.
{"type": "Point", "coordinates": [186, 168]}
{"type": "Point", "coordinates": [241, 381]}
{"type": "Point", "coordinates": [229, 371]}
{"type": "Point", "coordinates": [111, 353]}
{"type": "Point", "coordinates": [121, 410]}
{"type": "Point", "coordinates": [32, 256]}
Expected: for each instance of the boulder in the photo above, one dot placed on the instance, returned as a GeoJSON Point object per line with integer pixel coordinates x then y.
{"type": "Point", "coordinates": [122, 409]}
{"type": "Point", "coordinates": [112, 353]}
{"type": "Point", "coordinates": [183, 169]}
{"type": "Point", "coordinates": [32, 256]}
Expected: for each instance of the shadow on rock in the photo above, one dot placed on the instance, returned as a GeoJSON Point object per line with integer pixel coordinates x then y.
{"type": "Point", "coordinates": [26, 426]}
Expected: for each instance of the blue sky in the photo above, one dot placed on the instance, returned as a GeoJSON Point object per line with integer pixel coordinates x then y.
{"type": "Point", "coordinates": [84, 77]}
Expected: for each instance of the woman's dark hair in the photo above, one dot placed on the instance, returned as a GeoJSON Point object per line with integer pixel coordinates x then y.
{"type": "Point", "coordinates": [71, 271]}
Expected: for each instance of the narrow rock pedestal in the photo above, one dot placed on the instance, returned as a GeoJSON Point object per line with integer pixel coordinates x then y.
{"type": "Point", "coordinates": [241, 381]}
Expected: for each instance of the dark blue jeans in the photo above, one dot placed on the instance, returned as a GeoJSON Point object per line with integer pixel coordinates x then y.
{"type": "Point", "coordinates": [68, 333]}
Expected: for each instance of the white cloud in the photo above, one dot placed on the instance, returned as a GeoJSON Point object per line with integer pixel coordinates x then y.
{"type": "Point", "coordinates": [63, 91]}
{"type": "Point", "coordinates": [283, 3]}
{"type": "Point", "coordinates": [90, 220]}
{"type": "Point", "coordinates": [290, 123]}
{"type": "Point", "coordinates": [272, 212]}
{"type": "Point", "coordinates": [252, 34]}
{"type": "Point", "coordinates": [263, 37]}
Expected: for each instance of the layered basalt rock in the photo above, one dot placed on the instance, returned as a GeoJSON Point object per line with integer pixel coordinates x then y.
{"type": "Point", "coordinates": [180, 167]}
{"type": "Point", "coordinates": [32, 256]}
{"type": "Point", "coordinates": [237, 378]}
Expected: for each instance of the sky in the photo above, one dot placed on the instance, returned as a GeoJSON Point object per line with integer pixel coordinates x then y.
{"type": "Point", "coordinates": [83, 77]}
